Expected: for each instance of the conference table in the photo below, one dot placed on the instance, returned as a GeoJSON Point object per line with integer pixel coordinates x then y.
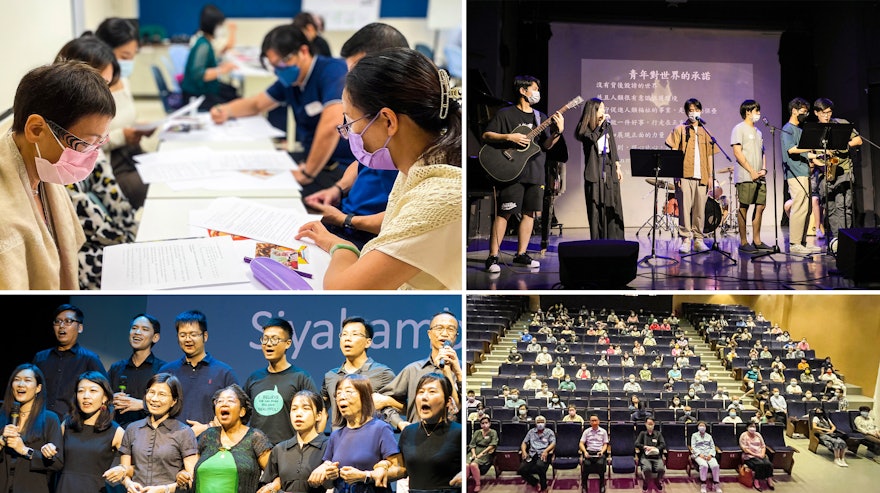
{"type": "Point", "coordinates": [170, 209]}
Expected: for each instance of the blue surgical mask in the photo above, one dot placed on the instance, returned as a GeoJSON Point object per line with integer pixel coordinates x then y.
{"type": "Point", "coordinates": [126, 67]}
{"type": "Point", "coordinates": [379, 159]}
{"type": "Point", "coordinates": [287, 75]}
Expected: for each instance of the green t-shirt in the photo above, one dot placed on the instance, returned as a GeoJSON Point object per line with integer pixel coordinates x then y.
{"type": "Point", "coordinates": [218, 473]}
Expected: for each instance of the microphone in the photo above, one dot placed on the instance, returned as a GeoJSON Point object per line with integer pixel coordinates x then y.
{"type": "Point", "coordinates": [123, 383]}
{"type": "Point", "coordinates": [442, 362]}
{"type": "Point", "coordinates": [15, 414]}
{"type": "Point", "coordinates": [700, 119]}
{"type": "Point", "coordinates": [765, 121]}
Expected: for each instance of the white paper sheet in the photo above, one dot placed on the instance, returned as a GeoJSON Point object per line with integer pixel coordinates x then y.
{"type": "Point", "coordinates": [202, 162]}
{"type": "Point", "coordinates": [237, 129]}
{"type": "Point", "coordinates": [254, 220]}
{"type": "Point", "coordinates": [171, 264]}
{"type": "Point", "coordinates": [184, 110]}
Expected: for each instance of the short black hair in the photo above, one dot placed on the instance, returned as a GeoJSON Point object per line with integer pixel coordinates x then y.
{"type": "Point", "coordinates": [191, 317]}
{"type": "Point", "coordinates": [371, 38]}
{"type": "Point", "coordinates": [303, 19]}
{"type": "Point", "coordinates": [693, 101]}
{"type": "Point", "coordinates": [523, 82]}
{"type": "Point", "coordinates": [67, 306]}
{"type": "Point", "coordinates": [116, 32]}
{"type": "Point", "coordinates": [210, 18]}
{"type": "Point", "coordinates": [798, 104]}
{"type": "Point", "coordinates": [91, 50]}
{"type": "Point", "coordinates": [285, 40]}
{"type": "Point", "coordinates": [864, 408]}
{"type": "Point", "coordinates": [63, 92]}
{"type": "Point", "coordinates": [822, 104]}
{"type": "Point", "coordinates": [748, 105]}
{"type": "Point", "coordinates": [243, 399]}
{"type": "Point", "coordinates": [359, 320]}
{"type": "Point", "coordinates": [281, 323]}
{"type": "Point", "coordinates": [153, 321]}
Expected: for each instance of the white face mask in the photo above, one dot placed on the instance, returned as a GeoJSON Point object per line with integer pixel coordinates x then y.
{"type": "Point", "coordinates": [756, 117]}
{"type": "Point", "coordinates": [534, 98]}
{"type": "Point", "coordinates": [693, 115]}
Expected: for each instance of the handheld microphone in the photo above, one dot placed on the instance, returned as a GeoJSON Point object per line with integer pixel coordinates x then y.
{"type": "Point", "coordinates": [15, 414]}
{"type": "Point", "coordinates": [123, 383]}
{"type": "Point", "coordinates": [442, 362]}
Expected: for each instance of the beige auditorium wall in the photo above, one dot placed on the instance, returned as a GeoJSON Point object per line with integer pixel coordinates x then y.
{"type": "Point", "coordinates": [845, 327]}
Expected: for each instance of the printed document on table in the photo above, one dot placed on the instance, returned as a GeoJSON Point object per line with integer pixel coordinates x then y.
{"type": "Point", "coordinates": [202, 162]}
{"type": "Point", "coordinates": [256, 221]}
{"type": "Point", "coordinates": [184, 110]}
{"type": "Point", "coordinates": [171, 264]}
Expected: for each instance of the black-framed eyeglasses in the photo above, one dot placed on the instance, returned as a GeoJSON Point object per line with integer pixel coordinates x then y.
{"type": "Point", "coordinates": [272, 340]}
{"type": "Point", "coordinates": [74, 142]}
{"type": "Point", "coordinates": [66, 322]}
{"type": "Point", "coordinates": [344, 129]}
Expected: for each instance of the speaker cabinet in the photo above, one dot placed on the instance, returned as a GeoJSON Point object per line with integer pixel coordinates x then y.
{"type": "Point", "coordinates": [858, 254]}
{"type": "Point", "coordinates": [597, 264]}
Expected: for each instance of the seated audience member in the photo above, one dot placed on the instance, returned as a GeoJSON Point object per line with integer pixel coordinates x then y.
{"type": "Point", "coordinates": [566, 385]}
{"type": "Point", "coordinates": [292, 461]}
{"type": "Point", "coordinates": [522, 414]}
{"type": "Point", "coordinates": [477, 413]}
{"type": "Point", "coordinates": [650, 446]}
{"type": "Point", "coordinates": [555, 402]}
{"type": "Point", "coordinates": [702, 448]}
{"type": "Point", "coordinates": [312, 87]}
{"type": "Point", "coordinates": [732, 417]}
{"type": "Point", "coordinates": [543, 358]}
{"type": "Point", "coordinates": [532, 383]}
{"type": "Point", "coordinates": [155, 449]}
{"type": "Point", "coordinates": [61, 116]}
{"type": "Point", "coordinates": [583, 373]}
{"type": "Point", "coordinates": [106, 216]}
{"type": "Point", "coordinates": [91, 437]}
{"type": "Point", "coordinates": [808, 397]}
{"type": "Point", "coordinates": [599, 386]}
{"type": "Point", "coordinates": [688, 416]}
{"type": "Point", "coordinates": [558, 371]}
{"type": "Point", "coordinates": [514, 356]}
{"type": "Point", "coordinates": [123, 143]}
{"type": "Point", "coordinates": [755, 456]}
{"type": "Point", "coordinates": [417, 107]}
{"type": "Point", "coordinates": [544, 393]}
{"type": "Point", "coordinates": [572, 416]}
{"type": "Point", "coordinates": [631, 385]}
{"type": "Point", "coordinates": [482, 451]}
{"type": "Point", "coordinates": [793, 388]}
{"type": "Point", "coordinates": [594, 446]}
{"type": "Point", "coordinates": [866, 425]}
{"type": "Point", "coordinates": [354, 206]}
{"type": "Point", "coordinates": [536, 450]}
{"type": "Point", "coordinates": [248, 447]}
{"type": "Point", "coordinates": [201, 77]}
{"type": "Point", "coordinates": [26, 468]}
{"type": "Point", "coordinates": [308, 23]}
{"type": "Point", "coordinates": [514, 401]}
{"type": "Point", "coordinates": [828, 435]}
{"type": "Point", "coordinates": [807, 376]}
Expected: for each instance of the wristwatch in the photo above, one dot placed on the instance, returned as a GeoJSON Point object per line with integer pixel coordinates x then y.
{"type": "Point", "coordinates": [347, 222]}
{"type": "Point", "coordinates": [29, 453]}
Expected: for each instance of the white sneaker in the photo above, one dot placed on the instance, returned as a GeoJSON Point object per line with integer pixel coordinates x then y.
{"type": "Point", "coordinates": [800, 249]}
{"type": "Point", "coordinates": [843, 463]}
{"type": "Point", "coordinates": [703, 489]}
{"type": "Point", "coordinates": [700, 246]}
{"type": "Point", "coordinates": [685, 246]}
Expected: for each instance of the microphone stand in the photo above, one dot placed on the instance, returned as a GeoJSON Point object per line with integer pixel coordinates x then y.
{"type": "Point", "coordinates": [776, 249]}
{"type": "Point", "coordinates": [714, 247]}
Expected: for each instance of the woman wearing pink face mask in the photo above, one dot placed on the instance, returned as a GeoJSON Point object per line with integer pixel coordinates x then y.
{"type": "Point", "coordinates": [400, 113]}
{"type": "Point", "coordinates": [61, 115]}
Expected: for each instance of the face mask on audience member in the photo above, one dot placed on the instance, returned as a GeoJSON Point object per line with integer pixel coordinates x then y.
{"type": "Point", "coordinates": [732, 414]}
{"type": "Point", "coordinates": [539, 426]}
{"type": "Point", "coordinates": [701, 429]}
{"type": "Point", "coordinates": [71, 167]}
{"type": "Point", "coordinates": [691, 393]}
{"type": "Point", "coordinates": [522, 412]}
{"type": "Point", "coordinates": [864, 414]}
{"type": "Point", "coordinates": [632, 380]}
{"type": "Point", "coordinates": [555, 399]}
{"type": "Point", "coordinates": [598, 380]}
{"type": "Point", "coordinates": [287, 75]}
{"type": "Point", "coordinates": [126, 67]}
{"type": "Point", "coordinates": [775, 394]}
{"type": "Point", "coordinates": [380, 159]}
{"type": "Point", "coordinates": [752, 430]}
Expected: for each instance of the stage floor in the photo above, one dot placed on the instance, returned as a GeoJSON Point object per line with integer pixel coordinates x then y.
{"type": "Point", "coordinates": [705, 271]}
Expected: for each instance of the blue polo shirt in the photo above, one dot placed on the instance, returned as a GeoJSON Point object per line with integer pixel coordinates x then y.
{"type": "Point", "coordinates": [369, 195]}
{"type": "Point", "coordinates": [321, 87]}
{"type": "Point", "coordinates": [199, 384]}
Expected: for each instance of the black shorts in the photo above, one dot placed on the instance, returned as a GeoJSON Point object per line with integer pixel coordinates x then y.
{"type": "Point", "coordinates": [515, 197]}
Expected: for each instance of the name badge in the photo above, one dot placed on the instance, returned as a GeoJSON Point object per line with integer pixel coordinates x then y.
{"type": "Point", "coordinates": [314, 108]}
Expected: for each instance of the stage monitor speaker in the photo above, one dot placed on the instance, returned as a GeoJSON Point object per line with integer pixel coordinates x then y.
{"type": "Point", "coordinates": [858, 254]}
{"type": "Point", "coordinates": [597, 264]}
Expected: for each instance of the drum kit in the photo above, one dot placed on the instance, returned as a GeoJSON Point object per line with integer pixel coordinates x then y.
{"type": "Point", "coordinates": [717, 207]}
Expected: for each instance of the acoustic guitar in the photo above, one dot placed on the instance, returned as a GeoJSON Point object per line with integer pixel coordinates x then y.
{"type": "Point", "coordinates": [505, 161]}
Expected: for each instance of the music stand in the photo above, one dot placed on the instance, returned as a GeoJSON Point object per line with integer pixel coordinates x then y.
{"type": "Point", "coordinates": [826, 136]}
{"type": "Point", "coordinates": [656, 163]}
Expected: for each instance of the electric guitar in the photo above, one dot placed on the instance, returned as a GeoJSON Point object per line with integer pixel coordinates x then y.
{"type": "Point", "coordinates": [505, 161]}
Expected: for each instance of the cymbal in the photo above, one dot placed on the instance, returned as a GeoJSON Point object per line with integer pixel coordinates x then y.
{"type": "Point", "coordinates": [660, 183]}
{"type": "Point", "coordinates": [728, 169]}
